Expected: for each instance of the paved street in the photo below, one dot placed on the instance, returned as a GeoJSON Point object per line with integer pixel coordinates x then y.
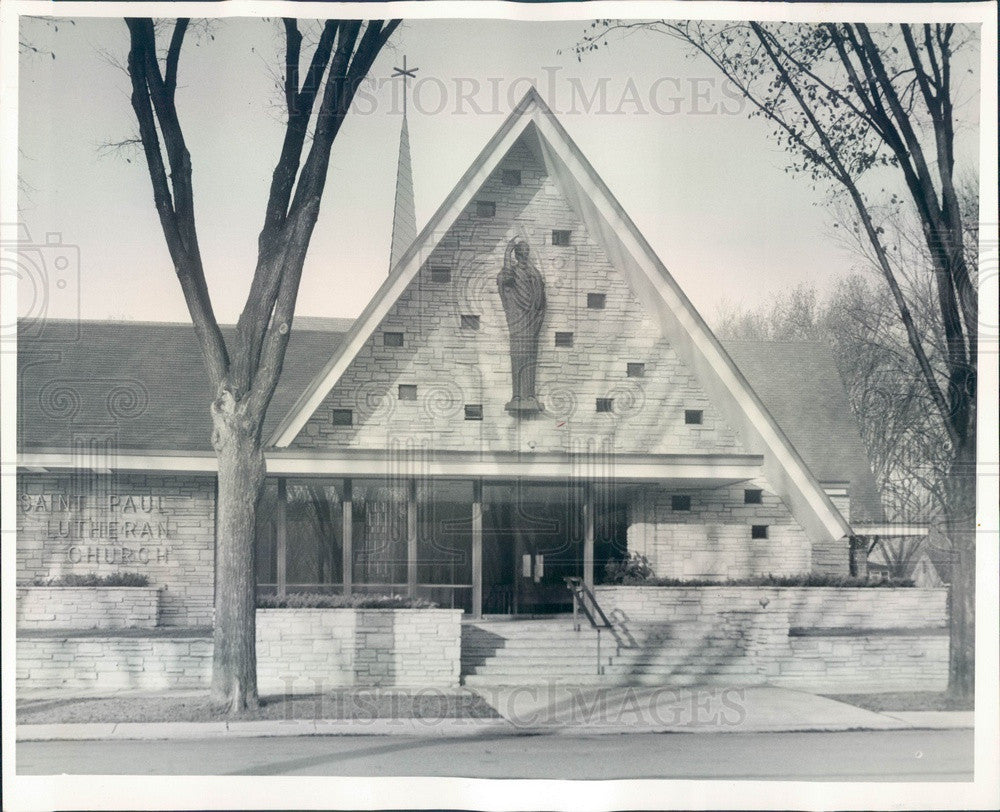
{"type": "Point", "coordinates": [909, 755]}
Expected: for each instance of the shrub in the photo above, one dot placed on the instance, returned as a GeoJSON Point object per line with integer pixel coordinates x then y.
{"type": "Point", "coordinates": [809, 580]}
{"type": "Point", "coordinates": [93, 579]}
{"type": "Point", "coordinates": [632, 569]}
{"type": "Point", "coordinates": [314, 600]}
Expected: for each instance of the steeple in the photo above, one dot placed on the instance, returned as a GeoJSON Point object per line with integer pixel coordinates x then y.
{"type": "Point", "coordinates": [404, 218]}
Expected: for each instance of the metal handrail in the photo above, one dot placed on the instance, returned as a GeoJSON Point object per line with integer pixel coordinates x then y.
{"type": "Point", "coordinates": [581, 595]}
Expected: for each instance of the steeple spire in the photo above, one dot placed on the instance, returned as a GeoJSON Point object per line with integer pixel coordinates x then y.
{"type": "Point", "coordinates": [404, 218]}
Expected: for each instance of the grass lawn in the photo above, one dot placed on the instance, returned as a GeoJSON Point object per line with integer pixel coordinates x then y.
{"type": "Point", "coordinates": [903, 701]}
{"type": "Point", "coordinates": [357, 705]}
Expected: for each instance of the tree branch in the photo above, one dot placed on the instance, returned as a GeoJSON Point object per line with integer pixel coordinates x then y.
{"type": "Point", "coordinates": [173, 196]}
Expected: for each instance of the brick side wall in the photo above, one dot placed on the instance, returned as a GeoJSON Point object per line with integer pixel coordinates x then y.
{"type": "Point", "coordinates": [452, 366]}
{"type": "Point", "coordinates": [160, 526]}
{"type": "Point", "coordinates": [728, 634]}
{"type": "Point", "coordinates": [713, 539]}
{"type": "Point", "coordinates": [87, 607]}
{"type": "Point", "coordinates": [298, 650]}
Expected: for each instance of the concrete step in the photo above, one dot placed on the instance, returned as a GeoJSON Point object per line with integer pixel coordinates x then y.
{"type": "Point", "coordinates": [614, 680]}
{"type": "Point", "coordinates": [537, 645]}
{"type": "Point", "coordinates": [542, 671]}
{"type": "Point", "coordinates": [533, 634]}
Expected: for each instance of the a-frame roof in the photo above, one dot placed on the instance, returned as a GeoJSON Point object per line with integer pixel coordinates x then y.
{"type": "Point", "coordinates": [677, 318]}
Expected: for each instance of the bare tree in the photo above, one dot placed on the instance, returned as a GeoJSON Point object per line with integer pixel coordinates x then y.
{"type": "Point", "coordinates": [244, 372]}
{"type": "Point", "coordinates": [902, 435]}
{"type": "Point", "coordinates": [850, 103]}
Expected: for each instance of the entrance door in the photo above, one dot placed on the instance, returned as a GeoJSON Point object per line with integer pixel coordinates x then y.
{"type": "Point", "coordinates": [532, 540]}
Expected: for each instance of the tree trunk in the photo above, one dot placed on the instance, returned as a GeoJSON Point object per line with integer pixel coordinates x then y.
{"type": "Point", "coordinates": [961, 530]}
{"type": "Point", "coordinates": [240, 481]}
{"type": "Point", "coordinates": [859, 557]}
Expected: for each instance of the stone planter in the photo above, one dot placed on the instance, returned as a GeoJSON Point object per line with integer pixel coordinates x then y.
{"type": "Point", "coordinates": [312, 650]}
{"type": "Point", "coordinates": [87, 607]}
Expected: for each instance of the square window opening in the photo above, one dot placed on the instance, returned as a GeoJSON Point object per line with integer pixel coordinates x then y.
{"type": "Point", "coordinates": [440, 273]}
{"type": "Point", "coordinates": [407, 391]}
{"type": "Point", "coordinates": [392, 339]}
{"type": "Point", "coordinates": [758, 531]}
{"type": "Point", "coordinates": [680, 501]}
{"type": "Point", "coordinates": [635, 370]}
{"type": "Point", "coordinates": [605, 404]}
{"type": "Point", "coordinates": [753, 496]}
{"type": "Point", "coordinates": [486, 208]}
{"type": "Point", "coordinates": [564, 339]}
{"type": "Point", "coordinates": [470, 322]}
{"type": "Point", "coordinates": [343, 417]}
{"type": "Point", "coordinates": [694, 417]}
{"type": "Point", "coordinates": [596, 301]}
{"type": "Point", "coordinates": [511, 177]}
{"type": "Point", "coordinates": [473, 411]}
{"type": "Point", "coordinates": [561, 237]}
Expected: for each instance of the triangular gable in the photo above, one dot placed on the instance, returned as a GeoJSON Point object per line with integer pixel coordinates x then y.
{"type": "Point", "coordinates": [676, 316]}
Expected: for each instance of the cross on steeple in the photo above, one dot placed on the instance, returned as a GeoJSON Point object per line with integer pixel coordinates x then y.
{"type": "Point", "coordinates": [404, 220]}
{"type": "Point", "coordinates": [406, 73]}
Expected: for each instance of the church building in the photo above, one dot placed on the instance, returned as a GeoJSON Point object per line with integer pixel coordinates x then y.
{"type": "Point", "coordinates": [529, 397]}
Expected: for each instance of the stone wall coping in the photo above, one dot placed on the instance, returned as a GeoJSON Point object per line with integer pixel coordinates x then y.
{"type": "Point", "coordinates": [291, 609]}
{"type": "Point", "coordinates": [867, 631]}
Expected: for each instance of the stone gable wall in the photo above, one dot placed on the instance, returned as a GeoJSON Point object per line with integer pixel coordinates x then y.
{"type": "Point", "coordinates": [452, 366]}
{"type": "Point", "coordinates": [713, 539]}
{"type": "Point", "coordinates": [159, 526]}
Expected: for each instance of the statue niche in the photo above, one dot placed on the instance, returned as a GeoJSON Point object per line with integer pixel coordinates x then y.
{"type": "Point", "coordinates": [522, 292]}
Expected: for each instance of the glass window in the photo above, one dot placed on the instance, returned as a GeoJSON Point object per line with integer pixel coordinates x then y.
{"type": "Point", "coordinates": [444, 542]}
{"type": "Point", "coordinates": [379, 517]}
{"type": "Point", "coordinates": [315, 528]}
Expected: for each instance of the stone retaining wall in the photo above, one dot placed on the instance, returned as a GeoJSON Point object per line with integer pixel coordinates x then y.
{"type": "Point", "coordinates": [100, 607]}
{"type": "Point", "coordinates": [298, 650]}
{"type": "Point", "coordinates": [306, 650]}
{"type": "Point", "coordinates": [804, 637]}
{"type": "Point", "coordinates": [107, 662]}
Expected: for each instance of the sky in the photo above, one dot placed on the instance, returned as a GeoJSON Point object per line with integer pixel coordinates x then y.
{"type": "Point", "coordinates": [699, 178]}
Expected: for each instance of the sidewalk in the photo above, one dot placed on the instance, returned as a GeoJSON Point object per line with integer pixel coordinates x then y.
{"type": "Point", "coordinates": [558, 710]}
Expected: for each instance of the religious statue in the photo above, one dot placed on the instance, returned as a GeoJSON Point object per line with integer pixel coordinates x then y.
{"type": "Point", "coordinates": [522, 291]}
